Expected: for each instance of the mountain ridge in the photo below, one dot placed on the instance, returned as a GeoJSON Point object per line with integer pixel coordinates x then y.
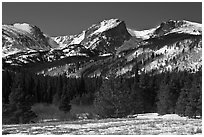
{"type": "Point", "coordinates": [106, 47]}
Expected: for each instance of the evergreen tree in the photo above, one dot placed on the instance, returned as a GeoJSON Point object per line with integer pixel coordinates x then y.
{"type": "Point", "coordinates": [182, 102]}
{"type": "Point", "coordinates": [6, 86]}
{"type": "Point", "coordinates": [163, 99]}
{"type": "Point", "coordinates": [148, 92]}
{"type": "Point", "coordinates": [65, 100]}
{"type": "Point", "coordinates": [81, 86]}
{"type": "Point", "coordinates": [113, 99]}
{"type": "Point", "coordinates": [20, 101]}
{"type": "Point", "coordinates": [194, 102]}
{"type": "Point", "coordinates": [183, 97]}
{"type": "Point", "coordinates": [137, 99]}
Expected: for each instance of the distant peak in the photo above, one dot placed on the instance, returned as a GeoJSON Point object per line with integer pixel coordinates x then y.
{"type": "Point", "coordinates": [106, 25]}
{"type": "Point", "coordinates": [171, 23]}
{"type": "Point", "coordinates": [178, 23]}
{"type": "Point", "coordinates": [179, 26]}
{"type": "Point", "coordinates": [24, 23]}
{"type": "Point", "coordinates": [193, 23]}
{"type": "Point", "coordinates": [24, 26]}
{"type": "Point", "coordinates": [110, 21]}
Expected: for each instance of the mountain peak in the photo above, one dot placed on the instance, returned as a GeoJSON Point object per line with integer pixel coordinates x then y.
{"type": "Point", "coordinates": [110, 21]}
{"type": "Point", "coordinates": [24, 26]}
{"type": "Point", "coordinates": [106, 25]}
{"type": "Point", "coordinates": [179, 26]}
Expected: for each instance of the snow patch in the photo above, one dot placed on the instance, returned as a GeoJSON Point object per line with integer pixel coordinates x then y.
{"type": "Point", "coordinates": [173, 117]}
{"type": "Point", "coordinates": [124, 70]}
{"type": "Point", "coordinates": [104, 55]}
{"type": "Point", "coordinates": [24, 26]}
{"type": "Point", "coordinates": [144, 34]}
{"type": "Point", "coordinates": [8, 61]}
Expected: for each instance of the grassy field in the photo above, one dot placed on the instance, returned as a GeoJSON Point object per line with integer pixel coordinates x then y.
{"type": "Point", "coordinates": [143, 124]}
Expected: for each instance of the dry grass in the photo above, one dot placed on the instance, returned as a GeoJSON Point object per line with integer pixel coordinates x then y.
{"type": "Point", "coordinates": [125, 126]}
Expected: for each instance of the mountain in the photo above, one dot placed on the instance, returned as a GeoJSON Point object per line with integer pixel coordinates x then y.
{"type": "Point", "coordinates": [23, 37]}
{"type": "Point", "coordinates": [168, 27]}
{"type": "Point", "coordinates": [103, 37]}
{"type": "Point", "coordinates": [105, 48]}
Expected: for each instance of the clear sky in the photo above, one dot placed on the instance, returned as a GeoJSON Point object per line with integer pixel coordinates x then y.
{"type": "Point", "coordinates": [71, 18]}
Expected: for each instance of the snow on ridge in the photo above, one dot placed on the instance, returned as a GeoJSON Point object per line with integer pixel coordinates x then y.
{"type": "Point", "coordinates": [188, 27]}
{"type": "Point", "coordinates": [143, 34]}
{"type": "Point", "coordinates": [78, 39]}
{"type": "Point", "coordinates": [7, 53]}
{"type": "Point", "coordinates": [104, 55]}
{"type": "Point", "coordinates": [62, 39]}
{"type": "Point", "coordinates": [16, 31]}
{"type": "Point", "coordinates": [198, 25]}
{"type": "Point", "coordinates": [106, 25]}
{"type": "Point", "coordinates": [23, 26]}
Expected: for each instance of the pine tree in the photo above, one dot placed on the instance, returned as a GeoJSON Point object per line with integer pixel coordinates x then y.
{"type": "Point", "coordinates": [182, 102]}
{"type": "Point", "coordinates": [163, 99]}
{"type": "Point", "coordinates": [113, 99]}
{"type": "Point", "coordinates": [148, 92]}
{"type": "Point", "coordinates": [183, 99]}
{"type": "Point", "coordinates": [81, 87]}
{"type": "Point", "coordinates": [65, 100]}
{"type": "Point", "coordinates": [194, 101]}
{"type": "Point", "coordinates": [137, 99]}
{"type": "Point", "coordinates": [6, 86]}
{"type": "Point", "coordinates": [21, 102]}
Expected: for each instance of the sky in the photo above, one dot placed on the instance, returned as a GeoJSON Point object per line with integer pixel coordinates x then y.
{"type": "Point", "coordinates": [66, 18]}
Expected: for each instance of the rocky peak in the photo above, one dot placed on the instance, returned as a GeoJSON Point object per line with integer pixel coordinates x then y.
{"type": "Point", "coordinates": [178, 26]}
{"type": "Point", "coordinates": [103, 37]}
{"type": "Point", "coordinates": [20, 37]}
{"type": "Point", "coordinates": [105, 25]}
{"type": "Point", "coordinates": [106, 36]}
{"type": "Point", "coordinates": [31, 29]}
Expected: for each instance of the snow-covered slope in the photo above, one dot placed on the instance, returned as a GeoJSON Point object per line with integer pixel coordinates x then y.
{"type": "Point", "coordinates": [188, 27]}
{"type": "Point", "coordinates": [78, 39]}
{"type": "Point", "coordinates": [106, 25]}
{"type": "Point", "coordinates": [144, 34]}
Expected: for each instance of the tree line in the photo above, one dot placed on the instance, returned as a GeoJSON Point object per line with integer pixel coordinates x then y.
{"type": "Point", "coordinates": [169, 92]}
{"type": "Point", "coordinates": [26, 89]}
{"type": "Point", "coordinates": [166, 93]}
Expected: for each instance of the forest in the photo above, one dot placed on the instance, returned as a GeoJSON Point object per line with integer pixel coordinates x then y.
{"type": "Point", "coordinates": [113, 97]}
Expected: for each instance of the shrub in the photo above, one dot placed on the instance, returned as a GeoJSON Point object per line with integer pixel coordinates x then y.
{"type": "Point", "coordinates": [52, 112]}
{"type": "Point", "coordinates": [45, 111]}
